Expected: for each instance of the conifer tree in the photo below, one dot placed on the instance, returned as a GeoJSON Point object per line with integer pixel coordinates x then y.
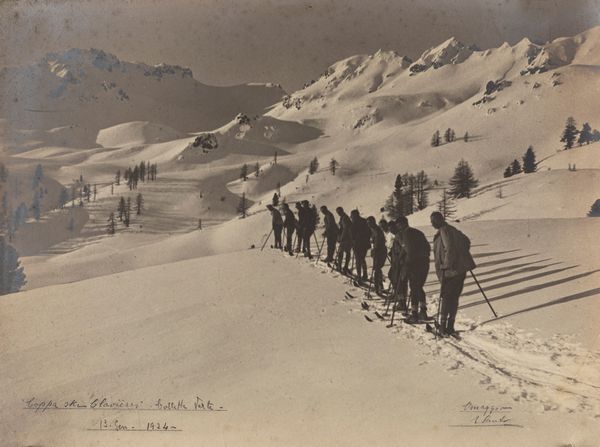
{"type": "Point", "coordinates": [121, 208]}
{"type": "Point", "coordinates": [466, 137]}
{"type": "Point", "coordinates": [139, 204]}
{"type": "Point", "coordinates": [143, 171]}
{"type": "Point", "coordinates": [595, 209]}
{"type": "Point", "coordinates": [244, 172]}
{"type": "Point", "coordinates": [313, 166]}
{"type": "Point", "coordinates": [394, 206]}
{"type": "Point", "coordinates": [243, 206]}
{"type": "Point", "coordinates": [508, 172]}
{"type": "Point", "coordinates": [529, 163]}
{"type": "Point", "coordinates": [36, 207]}
{"type": "Point", "coordinates": [111, 226]}
{"type": "Point", "coordinates": [463, 181]}
{"type": "Point", "coordinates": [275, 201]}
{"type": "Point", "coordinates": [118, 177]}
{"type": "Point", "coordinates": [446, 205]}
{"type": "Point", "coordinates": [585, 134]}
{"type": "Point", "coordinates": [422, 190]}
{"type": "Point", "coordinates": [333, 165]}
{"type": "Point", "coordinates": [256, 169]}
{"type": "Point", "coordinates": [435, 139]}
{"type": "Point", "coordinates": [12, 274]}
{"type": "Point", "coordinates": [127, 213]}
{"type": "Point", "coordinates": [569, 134]}
{"type": "Point", "coordinates": [515, 167]}
{"type": "Point", "coordinates": [37, 176]}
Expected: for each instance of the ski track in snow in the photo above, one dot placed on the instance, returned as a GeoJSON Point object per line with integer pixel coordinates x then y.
{"type": "Point", "coordinates": [555, 373]}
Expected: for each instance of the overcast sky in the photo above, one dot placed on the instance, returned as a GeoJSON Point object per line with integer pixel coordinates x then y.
{"type": "Point", "coordinates": [287, 41]}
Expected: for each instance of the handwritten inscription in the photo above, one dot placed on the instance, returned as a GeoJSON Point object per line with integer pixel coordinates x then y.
{"type": "Point", "coordinates": [106, 403]}
{"type": "Point", "coordinates": [118, 425]}
{"type": "Point", "coordinates": [486, 415]}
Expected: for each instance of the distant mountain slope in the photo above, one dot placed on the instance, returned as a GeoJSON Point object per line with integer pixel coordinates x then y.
{"type": "Point", "coordinates": [92, 89]}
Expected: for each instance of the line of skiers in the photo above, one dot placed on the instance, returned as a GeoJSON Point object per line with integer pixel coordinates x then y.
{"type": "Point", "coordinates": [407, 250]}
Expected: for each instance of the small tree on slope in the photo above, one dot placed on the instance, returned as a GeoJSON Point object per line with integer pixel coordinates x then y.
{"type": "Point", "coordinates": [529, 163]}
{"type": "Point", "coordinates": [243, 206]}
{"type": "Point", "coordinates": [463, 181]}
{"type": "Point", "coordinates": [585, 135]}
{"type": "Point", "coordinates": [111, 226]}
{"type": "Point", "coordinates": [595, 209]}
{"type": "Point", "coordinates": [569, 134]}
{"type": "Point", "coordinates": [446, 206]}
{"type": "Point", "coordinates": [12, 275]}
{"type": "Point", "coordinates": [515, 167]}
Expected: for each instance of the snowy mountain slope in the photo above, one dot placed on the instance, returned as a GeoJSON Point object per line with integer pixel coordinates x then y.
{"type": "Point", "coordinates": [85, 87]}
{"type": "Point", "coordinates": [136, 132]}
{"type": "Point", "coordinates": [177, 335]}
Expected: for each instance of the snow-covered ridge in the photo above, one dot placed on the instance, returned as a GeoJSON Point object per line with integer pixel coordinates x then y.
{"type": "Point", "coordinates": [76, 60]}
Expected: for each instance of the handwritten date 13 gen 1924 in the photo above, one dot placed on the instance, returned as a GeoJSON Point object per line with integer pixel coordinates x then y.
{"type": "Point", "coordinates": [484, 415]}
{"type": "Point", "coordinates": [105, 403]}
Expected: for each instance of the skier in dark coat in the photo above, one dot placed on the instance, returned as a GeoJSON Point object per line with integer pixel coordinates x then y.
{"type": "Point", "coordinates": [378, 253]}
{"type": "Point", "coordinates": [300, 227]}
{"type": "Point", "coordinates": [331, 232]}
{"type": "Point", "coordinates": [416, 251]}
{"type": "Point", "coordinates": [310, 214]}
{"type": "Point", "coordinates": [361, 241]}
{"type": "Point", "coordinates": [290, 226]}
{"type": "Point", "coordinates": [277, 223]}
{"type": "Point", "coordinates": [452, 262]}
{"type": "Point", "coordinates": [398, 273]}
{"type": "Point", "coordinates": [344, 239]}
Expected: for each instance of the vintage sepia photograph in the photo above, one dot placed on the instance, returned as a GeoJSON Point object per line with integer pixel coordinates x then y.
{"type": "Point", "coordinates": [297, 223]}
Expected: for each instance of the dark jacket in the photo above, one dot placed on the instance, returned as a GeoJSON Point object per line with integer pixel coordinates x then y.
{"type": "Point", "coordinates": [290, 219]}
{"type": "Point", "coordinates": [331, 228]}
{"type": "Point", "coordinates": [378, 240]}
{"type": "Point", "coordinates": [451, 252]}
{"type": "Point", "coordinates": [276, 220]}
{"type": "Point", "coordinates": [311, 219]}
{"type": "Point", "coordinates": [416, 248]}
{"type": "Point", "coordinates": [361, 233]}
{"type": "Point", "coordinates": [345, 234]}
{"type": "Point", "coordinates": [302, 221]}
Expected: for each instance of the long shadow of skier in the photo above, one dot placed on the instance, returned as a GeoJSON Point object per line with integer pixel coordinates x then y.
{"type": "Point", "coordinates": [566, 299]}
{"type": "Point", "coordinates": [533, 288]}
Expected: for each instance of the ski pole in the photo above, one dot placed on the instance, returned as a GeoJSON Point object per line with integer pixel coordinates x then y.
{"type": "Point", "coordinates": [389, 300]}
{"type": "Point", "coordinates": [320, 249]}
{"type": "Point", "coordinates": [371, 281]}
{"type": "Point", "coordinates": [337, 259]}
{"type": "Point", "coordinates": [483, 293]}
{"type": "Point", "coordinates": [394, 309]}
{"type": "Point", "coordinates": [265, 243]}
{"type": "Point", "coordinates": [437, 318]}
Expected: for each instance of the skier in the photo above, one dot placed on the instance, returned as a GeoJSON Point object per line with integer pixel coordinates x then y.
{"type": "Point", "coordinates": [361, 241]}
{"type": "Point", "coordinates": [330, 233]}
{"type": "Point", "coordinates": [416, 250]}
{"type": "Point", "coordinates": [452, 262]}
{"type": "Point", "coordinates": [309, 228]}
{"type": "Point", "coordinates": [378, 253]}
{"type": "Point", "coordinates": [344, 239]}
{"type": "Point", "coordinates": [300, 227]}
{"type": "Point", "coordinates": [290, 226]}
{"type": "Point", "coordinates": [398, 273]}
{"type": "Point", "coordinates": [277, 223]}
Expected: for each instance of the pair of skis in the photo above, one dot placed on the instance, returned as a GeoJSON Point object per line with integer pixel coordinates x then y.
{"type": "Point", "coordinates": [430, 324]}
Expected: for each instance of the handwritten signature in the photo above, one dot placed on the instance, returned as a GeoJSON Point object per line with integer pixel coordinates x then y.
{"type": "Point", "coordinates": [486, 415]}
